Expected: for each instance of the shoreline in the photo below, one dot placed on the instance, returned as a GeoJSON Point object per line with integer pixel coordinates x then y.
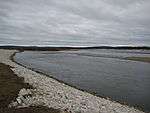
{"type": "Point", "coordinates": [11, 85]}
{"type": "Point", "coordinates": [102, 105]}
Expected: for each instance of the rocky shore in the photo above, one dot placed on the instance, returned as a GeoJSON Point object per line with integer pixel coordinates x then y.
{"type": "Point", "coordinates": [53, 94]}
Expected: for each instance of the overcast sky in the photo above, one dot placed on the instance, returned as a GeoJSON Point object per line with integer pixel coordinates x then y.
{"type": "Point", "coordinates": [75, 22]}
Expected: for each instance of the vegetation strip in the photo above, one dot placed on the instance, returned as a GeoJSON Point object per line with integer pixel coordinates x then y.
{"type": "Point", "coordinates": [142, 59]}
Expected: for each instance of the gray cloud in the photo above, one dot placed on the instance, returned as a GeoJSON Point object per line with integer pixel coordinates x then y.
{"type": "Point", "coordinates": [75, 22]}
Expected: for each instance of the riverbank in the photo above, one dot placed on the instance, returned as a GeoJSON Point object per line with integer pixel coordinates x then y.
{"type": "Point", "coordinates": [10, 85]}
{"type": "Point", "coordinates": [53, 94]}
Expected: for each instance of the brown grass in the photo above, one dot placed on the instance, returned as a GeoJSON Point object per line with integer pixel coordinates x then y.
{"type": "Point", "coordinates": [142, 59]}
{"type": "Point", "coordinates": [10, 85]}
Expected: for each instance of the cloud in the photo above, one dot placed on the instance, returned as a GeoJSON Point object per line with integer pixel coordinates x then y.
{"type": "Point", "coordinates": [75, 22]}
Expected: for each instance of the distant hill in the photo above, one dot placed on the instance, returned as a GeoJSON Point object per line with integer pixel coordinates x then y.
{"type": "Point", "coordinates": [36, 48]}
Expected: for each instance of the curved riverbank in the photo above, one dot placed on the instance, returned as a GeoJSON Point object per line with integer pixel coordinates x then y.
{"type": "Point", "coordinates": [51, 93]}
{"type": "Point", "coordinates": [10, 85]}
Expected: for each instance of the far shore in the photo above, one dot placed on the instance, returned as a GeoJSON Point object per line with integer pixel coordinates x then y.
{"type": "Point", "coordinates": [46, 48]}
{"type": "Point", "coordinates": [142, 59]}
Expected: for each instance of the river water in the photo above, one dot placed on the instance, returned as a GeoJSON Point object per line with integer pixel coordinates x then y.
{"type": "Point", "coordinates": [103, 72]}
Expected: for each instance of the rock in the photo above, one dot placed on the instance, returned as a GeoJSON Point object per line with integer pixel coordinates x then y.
{"type": "Point", "coordinates": [18, 100]}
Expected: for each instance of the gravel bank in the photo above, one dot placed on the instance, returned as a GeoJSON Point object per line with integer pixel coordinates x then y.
{"type": "Point", "coordinates": [51, 93]}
